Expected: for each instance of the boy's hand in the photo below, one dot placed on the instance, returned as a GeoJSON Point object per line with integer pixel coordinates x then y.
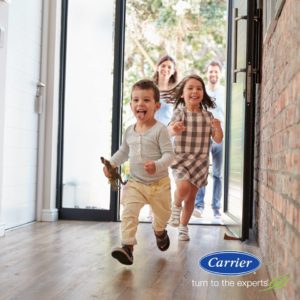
{"type": "Point", "coordinates": [106, 172]}
{"type": "Point", "coordinates": [150, 167]}
{"type": "Point", "coordinates": [177, 127]}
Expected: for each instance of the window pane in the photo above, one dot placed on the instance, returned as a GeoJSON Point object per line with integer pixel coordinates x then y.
{"type": "Point", "coordinates": [88, 103]}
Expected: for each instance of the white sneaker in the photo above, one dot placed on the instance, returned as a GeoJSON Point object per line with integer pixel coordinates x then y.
{"type": "Point", "coordinates": [175, 216]}
{"type": "Point", "coordinates": [183, 233]}
{"type": "Point", "coordinates": [198, 212]}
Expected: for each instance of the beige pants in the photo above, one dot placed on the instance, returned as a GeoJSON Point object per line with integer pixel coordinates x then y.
{"type": "Point", "coordinates": [157, 195]}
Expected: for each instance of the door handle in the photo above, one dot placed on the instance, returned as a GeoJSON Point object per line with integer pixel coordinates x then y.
{"type": "Point", "coordinates": [235, 28]}
{"type": "Point", "coordinates": [39, 97]}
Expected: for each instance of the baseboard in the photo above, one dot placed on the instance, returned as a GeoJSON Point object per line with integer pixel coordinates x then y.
{"type": "Point", "coordinates": [49, 215]}
{"type": "Point", "coordinates": [2, 230]}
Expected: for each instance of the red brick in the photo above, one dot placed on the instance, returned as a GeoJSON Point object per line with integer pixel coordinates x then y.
{"type": "Point", "coordinates": [296, 162]}
{"type": "Point", "coordinates": [294, 133]}
{"type": "Point", "coordinates": [296, 216]}
{"type": "Point", "coordinates": [293, 242]}
{"type": "Point", "coordinates": [279, 203]}
{"type": "Point", "coordinates": [289, 212]}
{"type": "Point", "coordinates": [298, 224]}
{"type": "Point", "coordinates": [290, 115]}
{"type": "Point", "coordinates": [295, 189]}
{"type": "Point", "coordinates": [277, 156]}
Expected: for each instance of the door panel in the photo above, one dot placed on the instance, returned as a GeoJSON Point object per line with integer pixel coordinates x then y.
{"type": "Point", "coordinates": [240, 116]}
{"type": "Point", "coordinates": [87, 109]}
{"type": "Point", "coordinates": [236, 154]}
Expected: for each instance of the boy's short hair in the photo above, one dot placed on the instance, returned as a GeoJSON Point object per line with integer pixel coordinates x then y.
{"type": "Point", "coordinates": [146, 84]}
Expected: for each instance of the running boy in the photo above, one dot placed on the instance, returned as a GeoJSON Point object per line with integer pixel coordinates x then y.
{"type": "Point", "coordinates": [148, 147]}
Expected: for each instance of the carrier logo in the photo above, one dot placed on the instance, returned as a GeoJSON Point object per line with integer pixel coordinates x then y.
{"type": "Point", "coordinates": [230, 263]}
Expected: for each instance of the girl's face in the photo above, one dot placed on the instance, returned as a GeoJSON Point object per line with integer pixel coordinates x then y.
{"type": "Point", "coordinates": [192, 93]}
{"type": "Point", "coordinates": [143, 104]}
{"type": "Point", "coordinates": [166, 69]}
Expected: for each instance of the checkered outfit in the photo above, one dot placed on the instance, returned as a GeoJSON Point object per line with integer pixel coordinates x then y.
{"type": "Point", "coordinates": [192, 146]}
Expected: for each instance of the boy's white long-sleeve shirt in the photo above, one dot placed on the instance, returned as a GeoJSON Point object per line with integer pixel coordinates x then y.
{"type": "Point", "coordinates": [152, 145]}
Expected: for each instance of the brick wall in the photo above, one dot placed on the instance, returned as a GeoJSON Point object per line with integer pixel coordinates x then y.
{"type": "Point", "coordinates": [277, 152]}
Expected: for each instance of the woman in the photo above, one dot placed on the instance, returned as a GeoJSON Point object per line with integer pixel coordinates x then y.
{"type": "Point", "coordinates": [166, 78]}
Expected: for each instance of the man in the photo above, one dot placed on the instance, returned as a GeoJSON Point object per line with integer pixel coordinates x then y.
{"type": "Point", "coordinates": [217, 91]}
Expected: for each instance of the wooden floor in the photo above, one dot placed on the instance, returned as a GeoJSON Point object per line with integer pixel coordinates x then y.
{"type": "Point", "coordinates": [70, 260]}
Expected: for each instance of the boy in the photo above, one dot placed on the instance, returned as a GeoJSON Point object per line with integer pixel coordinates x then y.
{"type": "Point", "coordinates": [148, 147]}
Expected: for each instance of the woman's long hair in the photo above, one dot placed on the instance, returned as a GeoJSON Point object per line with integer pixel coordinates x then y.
{"type": "Point", "coordinates": [177, 91]}
{"type": "Point", "coordinates": [173, 78]}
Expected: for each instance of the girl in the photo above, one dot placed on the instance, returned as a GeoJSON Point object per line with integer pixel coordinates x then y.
{"type": "Point", "coordinates": [193, 127]}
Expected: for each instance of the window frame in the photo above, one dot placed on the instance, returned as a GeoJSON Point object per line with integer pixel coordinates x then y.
{"type": "Point", "coordinates": [271, 13]}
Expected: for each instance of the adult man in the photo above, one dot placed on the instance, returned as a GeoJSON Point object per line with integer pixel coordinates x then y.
{"type": "Point", "coordinates": [214, 90]}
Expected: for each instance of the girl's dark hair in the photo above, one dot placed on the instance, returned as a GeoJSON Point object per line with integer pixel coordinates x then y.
{"type": "Point", "coordinates": [207, 101]}
{"type": "Point", "coordinates": [173, 78]}
{"type": "Point", "coordinates": [146, 84]}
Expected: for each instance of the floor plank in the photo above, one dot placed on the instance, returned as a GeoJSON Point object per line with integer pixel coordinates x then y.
{"type": "Point", "coordinates": [71, 260]}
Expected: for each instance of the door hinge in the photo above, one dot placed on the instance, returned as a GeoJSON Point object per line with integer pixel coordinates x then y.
{"type": "Point", "coordinates": [249, 84]}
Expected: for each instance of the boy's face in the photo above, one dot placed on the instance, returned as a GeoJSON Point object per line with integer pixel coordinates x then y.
{"type": "Point", "coordinates": [143, 104]}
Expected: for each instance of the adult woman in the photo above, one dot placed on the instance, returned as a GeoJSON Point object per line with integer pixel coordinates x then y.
{"type": "Point", "coordinates": [165, 77]}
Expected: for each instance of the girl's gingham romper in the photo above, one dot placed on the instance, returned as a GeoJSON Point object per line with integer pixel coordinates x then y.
{"type": "Point", "coordinates": [192, 146]}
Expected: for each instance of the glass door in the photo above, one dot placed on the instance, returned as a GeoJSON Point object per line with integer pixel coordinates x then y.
{"type": "Point", "coordinates": [240, 116]}
{"type": "Point", "coordinates": [86, 115]}
{"type": "Point", "coordinates": [191, 32]}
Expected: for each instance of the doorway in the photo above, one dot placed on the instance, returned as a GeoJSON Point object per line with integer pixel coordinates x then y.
{"type": "Point", "coordinates": [152, 29]}
{"type": "Point", "coordinates": [193, 33]}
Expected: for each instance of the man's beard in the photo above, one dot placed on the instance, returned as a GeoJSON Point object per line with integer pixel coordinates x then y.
{"type": "Point", "coordinates": [213, 81]}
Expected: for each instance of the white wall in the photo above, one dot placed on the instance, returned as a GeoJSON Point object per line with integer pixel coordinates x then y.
{"type": "Point", "coordinates": [28, 141]}
{"type": "Point", "coordinates": [21, 120]}
{"type": "Point", "coordinates": [3, 54]}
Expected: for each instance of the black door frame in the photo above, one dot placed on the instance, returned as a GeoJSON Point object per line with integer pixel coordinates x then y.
{"type": "Point", "coordinates": [253, 59]}
{"type": "Point", "coordinates": [91, 214]}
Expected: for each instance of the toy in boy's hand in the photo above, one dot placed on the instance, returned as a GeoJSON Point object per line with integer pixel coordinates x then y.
{"type": "Point", "coordinates": [114, 175]}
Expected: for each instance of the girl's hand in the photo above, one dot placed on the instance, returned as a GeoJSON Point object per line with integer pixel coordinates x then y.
{"type": "Point", "coordinates": [216, 123]}
{"type": "Point", "coordinates": [150, 167]}
{"type": "Point", "coordinates": [217, 133]}
{"type": "Point", "coordinates": [177, 127]}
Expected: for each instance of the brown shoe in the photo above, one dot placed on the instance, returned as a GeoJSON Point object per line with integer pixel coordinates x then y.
{"type": "Point", "coordinates": [162, 241]}
{"type": "Point", "coordinates": [123, 255]}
